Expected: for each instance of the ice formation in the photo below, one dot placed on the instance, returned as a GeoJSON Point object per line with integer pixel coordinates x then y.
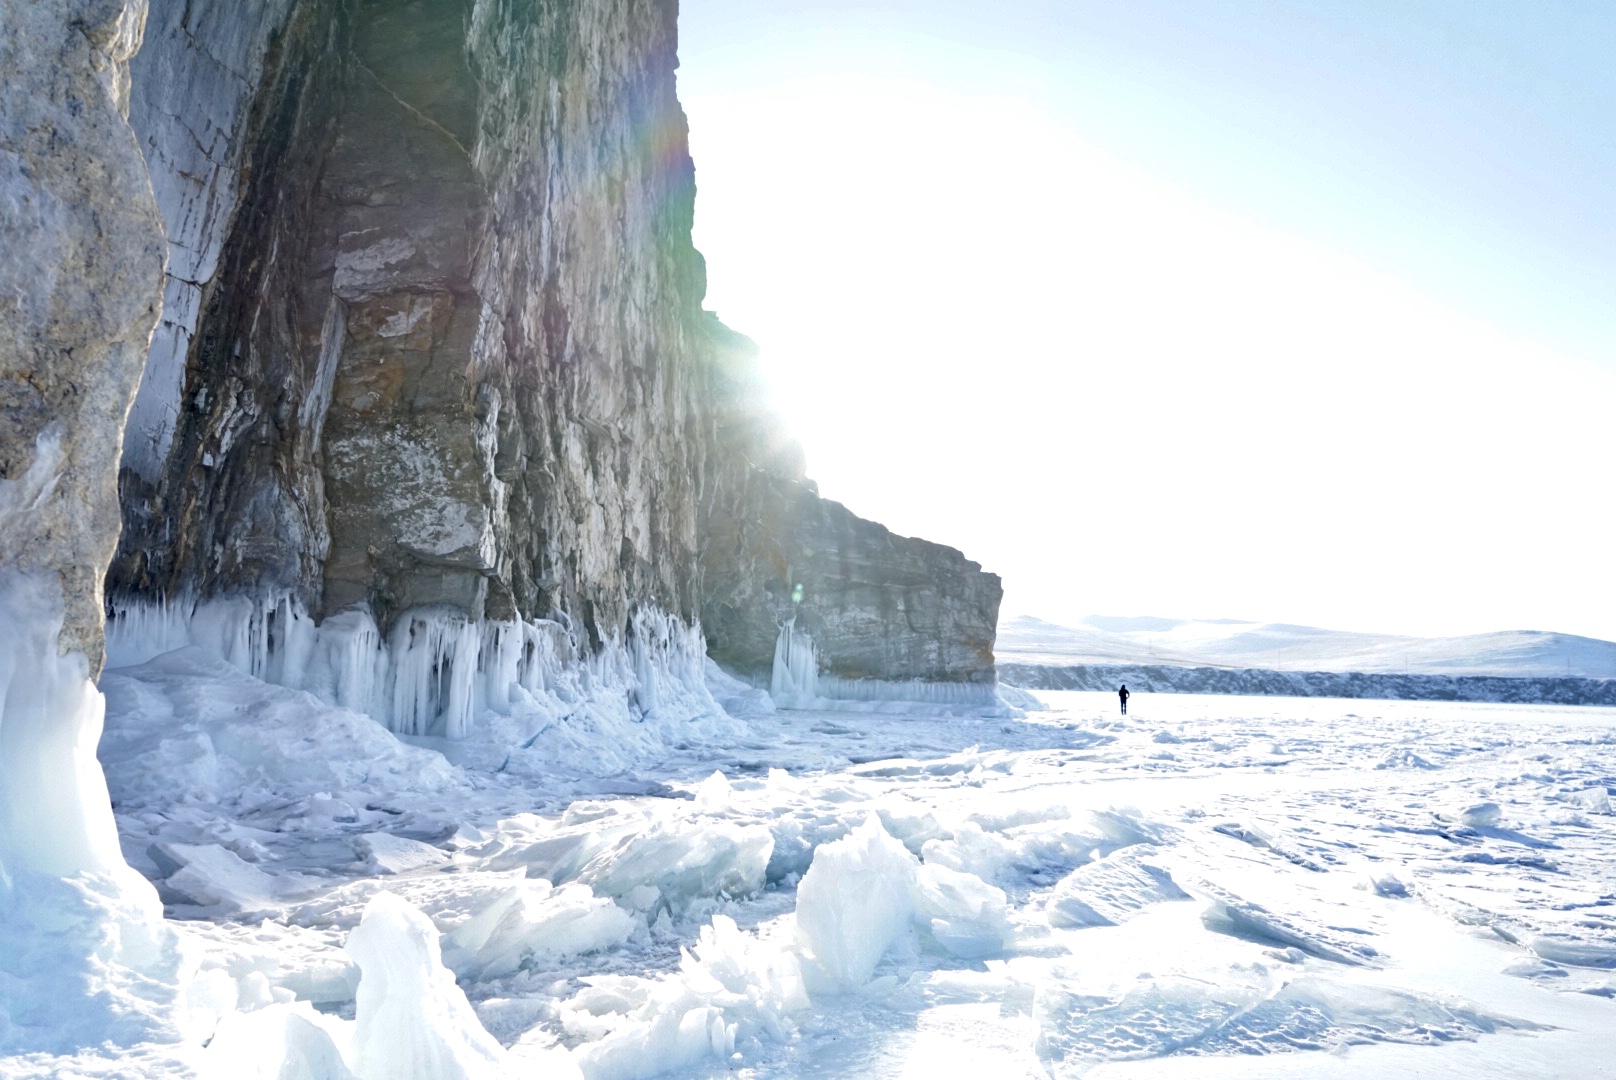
{"type": "Point", "coordinates": [862, 896]}
{"type": "Point", "coordinates": [84, 954]}
{"type": "Point", "coordinates": [795, 682]}
{"type": "Point", "coordinates": [683, 861]}
{"type": "Point", "coordinates": [533, 920]}
{"type": "Point", "coordinates": [855, 902]}
{"type": "Point", "coordinates": [436, 670]}
{"type": "Point", "coordinates": [411, 1021]}
{"type": "Point", "coordinates": [286, 1041]}
{"type": "Point", "coordinates": [730, 989]}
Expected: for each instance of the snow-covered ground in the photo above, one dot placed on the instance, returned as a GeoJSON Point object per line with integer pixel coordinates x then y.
{"type": "Point", "coordinates": [1209, 887]}
{"type": "Point", "coordinates": [1282, 647]}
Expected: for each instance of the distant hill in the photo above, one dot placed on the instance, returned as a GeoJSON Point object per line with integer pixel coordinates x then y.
{"type": "Point", "coordinates": [1232, 644]}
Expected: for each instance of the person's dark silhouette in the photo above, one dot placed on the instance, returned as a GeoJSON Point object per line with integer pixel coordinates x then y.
{"type": "Point", "coordinates": [1122, 692]}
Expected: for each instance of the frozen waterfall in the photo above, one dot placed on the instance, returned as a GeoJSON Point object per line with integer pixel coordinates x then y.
{"type": "Point", "coordinates": [796, 683]}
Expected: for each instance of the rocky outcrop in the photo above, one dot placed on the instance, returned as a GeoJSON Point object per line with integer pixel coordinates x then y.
{"type": "Point", "coordinates": [877, 606]}
{"type": "Point", "coordinates": [434, 342]}
{"type": "Point", "coordinates": [80, 283]}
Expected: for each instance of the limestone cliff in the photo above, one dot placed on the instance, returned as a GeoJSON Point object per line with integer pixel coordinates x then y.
{"type": "Point", "coordinates": [433, 341]}
{"type": "Point", "coordinates": [81, 263]}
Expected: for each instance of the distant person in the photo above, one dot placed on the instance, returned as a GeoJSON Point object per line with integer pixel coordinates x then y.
{"type": "Point", "coordinates": [1122, 692]}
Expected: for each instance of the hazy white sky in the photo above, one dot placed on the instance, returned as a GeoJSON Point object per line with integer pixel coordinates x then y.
{"type": "Point", "coordinates": [1293, 316]}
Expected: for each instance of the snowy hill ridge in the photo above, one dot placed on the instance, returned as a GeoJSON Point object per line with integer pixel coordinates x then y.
{"type": "Point", "coordinates": [1168, 679]}
{"type": "Point", "coordinates": [1280, 647]}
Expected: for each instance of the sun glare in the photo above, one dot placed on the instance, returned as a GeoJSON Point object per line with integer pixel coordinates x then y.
{"type": "Point", "coordinates": [1122, 398]}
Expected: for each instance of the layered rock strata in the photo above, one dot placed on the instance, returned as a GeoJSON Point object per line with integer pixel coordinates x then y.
{"type": "Point", "coordinates": [434, 343]}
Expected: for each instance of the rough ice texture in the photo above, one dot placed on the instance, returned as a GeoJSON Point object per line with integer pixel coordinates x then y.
{"type": "Point", "coordinates": [411, 1021]}
{"type": "Point", "coordinates": [854, 903]}
{"type": "Point", "coordinates": [533, 920]}
{"type": "Point", "coordinates": [84, 954]}
{"type": "Point", "coordinates": [435, 342]}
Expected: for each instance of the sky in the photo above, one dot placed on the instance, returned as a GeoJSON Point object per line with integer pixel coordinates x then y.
{"type": "Point", "coordinates": [1287, 311]}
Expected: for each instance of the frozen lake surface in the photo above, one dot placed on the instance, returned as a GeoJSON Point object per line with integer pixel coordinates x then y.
{"type": "Point", "coordinates": [1209, 887]}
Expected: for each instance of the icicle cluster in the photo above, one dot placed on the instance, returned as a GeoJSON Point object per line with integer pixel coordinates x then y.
{"type": "Point", "coordinates": [436, 670]}
{"type": "Point", "coordinates": [796, 683]}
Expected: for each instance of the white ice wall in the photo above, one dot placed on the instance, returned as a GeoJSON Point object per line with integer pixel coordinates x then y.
{"type": "Point", "coordinates": [84, 956]}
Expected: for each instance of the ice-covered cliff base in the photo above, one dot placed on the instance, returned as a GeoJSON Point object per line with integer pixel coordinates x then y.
{"type": "Point", "coordinates": [435, 672]}
{"type": "Point", "coordinates": [241, 798]}
{"type": "Point", "coordinates": [84, 954]}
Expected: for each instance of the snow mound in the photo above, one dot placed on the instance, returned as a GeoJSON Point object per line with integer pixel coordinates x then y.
{"type": "Point", "coordinates": [1481, 815]}
{"type": "Point", "coordinates": [279, 1042]}
{"type": "Point", "coordinates": [233, 739]}
{"type": "Point", "coordinates": [736, 697]}
{"type": "Point", "coordinates": [1401, 757]}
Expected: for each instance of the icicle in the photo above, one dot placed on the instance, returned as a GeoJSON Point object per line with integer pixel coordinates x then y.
{"type": "Point", "coordinates": [436, 670]}
{"type": "Point", "coordinates": [434, 655]}
{"type": "Point", "coordinates": [499, 665]}
{"type": "Point", "coordinates": [908, 690]}
{"type": "Point", "coordinates": [668, 659]}
{"type": "Point", "coordinates": [352, 663]}
{"type": "Point", "coordinates": [138, 632]}
{"type": "Point", "coordinates": [794, 683]}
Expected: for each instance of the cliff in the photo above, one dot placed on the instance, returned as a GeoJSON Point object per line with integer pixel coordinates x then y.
{"type": "Point", "coordinates": [433, 354]}
{"type": "Point", "coordinates": [432, 419]}
{"type": "Point", "coordinates": [81, 262]}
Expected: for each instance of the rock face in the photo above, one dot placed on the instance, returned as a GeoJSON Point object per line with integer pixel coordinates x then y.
{"type": "Point", "coordinates": [80, 283]}
{"type": "Point", "coordinates": [434, 342]}
{"type": "Point", "coordinates": [876, 605]}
